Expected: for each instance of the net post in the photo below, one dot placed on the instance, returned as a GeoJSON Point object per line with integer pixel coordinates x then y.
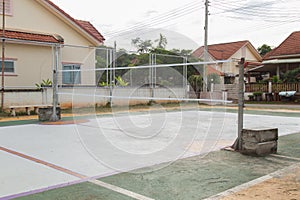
{"type": "Point", "coordinates": [238, 144]}
{"type": "Point", "coordinates": [54, 116]}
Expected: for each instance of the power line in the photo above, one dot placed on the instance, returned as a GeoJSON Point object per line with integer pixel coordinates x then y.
{"type": "Point", "coordinates": [160, 19]}
{"type": "Point", "coordinates": [256, 9]}
{"type": "Point", "coordinates": [186, 6]}
{"type": "Point", "coordinates": [157, 22]}
{"type": "Point", "coordinates": [257, 14]}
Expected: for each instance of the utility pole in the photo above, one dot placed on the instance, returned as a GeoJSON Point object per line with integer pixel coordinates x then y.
{"type": "Point", "coordinates": [238, 143]}
{"type": "Point", "coordinates": [205, 45]}
{"type": "Point", "coordinates": [3, 55]}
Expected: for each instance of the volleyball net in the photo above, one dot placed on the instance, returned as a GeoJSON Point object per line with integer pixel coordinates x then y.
{"type": "Point", "coordinates": [139, 91]}
{"type": "Point", "coordinates": [102, 76]}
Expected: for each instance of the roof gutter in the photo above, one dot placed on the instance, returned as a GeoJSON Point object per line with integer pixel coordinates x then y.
{"type": "Point", "coordinates": [286, 56]}
{"type": "Point", "coordinates": [281, 61]}
{"type": "Point", "coordinates": [255, 68]}
{"type": "Point", "coordinates": [30, 42]}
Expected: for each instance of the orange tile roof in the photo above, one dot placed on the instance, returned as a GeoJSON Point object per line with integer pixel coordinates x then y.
{"type": "Point", "coordinates": [28, 36]}
{"type": "Point", "coordinates": [221, 51]}
{"type": "Point", "coordinates": [211, 70]}
{"type": "Point", "coordinates": [91, 29]}
{"type": "Point", "coordinates": [290, 46]}
{"type": "Point", "coordinates": [86, 26]}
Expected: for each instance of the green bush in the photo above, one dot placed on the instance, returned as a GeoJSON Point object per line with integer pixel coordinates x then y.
{"type": "Point", "coordinates": [257, 93]}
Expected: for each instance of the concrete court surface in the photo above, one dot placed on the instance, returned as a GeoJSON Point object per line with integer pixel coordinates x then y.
{"type": "Point", "coordinates": [108, 145]}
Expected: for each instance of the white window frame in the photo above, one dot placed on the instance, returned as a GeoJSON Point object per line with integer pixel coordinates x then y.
{"type": "Point", "coordinates": [13, 66]}
{"type": "Point", "coordinates": [73, 76]}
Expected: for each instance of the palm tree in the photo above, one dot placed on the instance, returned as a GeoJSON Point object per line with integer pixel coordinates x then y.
{"type": "Point", "coordinates": [196, 82]}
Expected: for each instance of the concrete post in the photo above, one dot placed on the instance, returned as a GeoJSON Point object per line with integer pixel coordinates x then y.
{"type": "Point", "coordinates": [238, 143]}
{"type": "Point", "coordinates": [54, 116]}
{"type": "Point", "coordinates": [270, 87]}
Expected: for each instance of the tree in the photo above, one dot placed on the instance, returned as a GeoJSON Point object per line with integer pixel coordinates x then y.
{"type": "Point", "coordinates": [264, 49]}
{"type": "Point", "coordinates": [44, 83]}
{"type": "Point", "coordinates": [196, 82]}
{"type": "Point", "coordinates": [143, 46]}
{"type": "Point", "coordinates": [162, 41]}
{"type": "Point", "coordinates": [292, 76]}
{"type": "Point", "coordinates": [121, 82]}
{"type": "Point", "coordinates": [182, 52]}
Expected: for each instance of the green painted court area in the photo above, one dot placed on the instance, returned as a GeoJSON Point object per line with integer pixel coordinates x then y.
{"type": "Point", "coordinates": [192, 178]}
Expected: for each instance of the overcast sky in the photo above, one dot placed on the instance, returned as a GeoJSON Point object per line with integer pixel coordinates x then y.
{"type": "Point", "coordinates": [259, 21]}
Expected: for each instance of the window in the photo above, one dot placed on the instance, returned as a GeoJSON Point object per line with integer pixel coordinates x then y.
{"type": "Point", "coordinates": [70, 76]}
{"type": "Point", "coordinates": [9, 66]}
{"type": "Point", "coordinates": [8, 7]}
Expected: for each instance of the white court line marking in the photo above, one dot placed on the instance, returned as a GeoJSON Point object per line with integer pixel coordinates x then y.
{"type": "Point", "coordinates": [82, 177]}
{"type": "Point", "coordinates": [253, 182]}
{"type": "Point", "coordinates": [120, 190]}
{"type": "Point", "coordinates": [286, 157]}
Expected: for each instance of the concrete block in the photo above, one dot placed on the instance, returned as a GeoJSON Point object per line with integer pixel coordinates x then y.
{"type": "Point", "coordinates": [259, 135]}
{"type": "Point", "coordinates": [46, 113]}
{"type": "Point", "coordinates": [259, 149]}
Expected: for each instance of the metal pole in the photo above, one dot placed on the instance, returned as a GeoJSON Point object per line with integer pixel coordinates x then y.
{"type": "Point", "coordinates": [130, 73]}
{"type": "Point", "coordinates": [185, 75]}
{"type": "Point", "coordinates": [151, 61]}
{"type": "Point", "coordinates": [110, 78]}
{"type": "Point", "coordinates": [107, 66]}
{"type": "Point", "coordinates": [114, 60]}
{"type": "Point", "coordinates": [3, 55]}
{"type": "Point", "coordinates": [205, 46]}
{"type": "Point", "coordinates": [240, 104]}
{"type": "Point", "coordinates": [54, 116]}
{"type": "Point", "coordinates": [150, 71]}
{"type": "Point", "coordinates": [155, 72]}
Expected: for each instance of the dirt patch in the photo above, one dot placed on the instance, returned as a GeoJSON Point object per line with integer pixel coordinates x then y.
{"type": "Point", "coordinates": [65, 122]}
{"type": "Point", "coordinates": [286, 187]}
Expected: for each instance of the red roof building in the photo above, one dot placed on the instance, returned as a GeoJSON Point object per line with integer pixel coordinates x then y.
{"type": "Point", "coordinates": [230, 53]}
{"type": "Point", "coordinates": [222, 51]}
{"type": "Point", "coordinates": [32, 29]}
{"type": "Point", "coordinates": [289, 48]}
{"type": "Point", "coordinates": [83, 27]}
{"type": "Point", "coordinates": [283, 58]}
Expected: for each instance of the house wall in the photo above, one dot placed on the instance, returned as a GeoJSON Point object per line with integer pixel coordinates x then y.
{"type": "Point", "coordinates": [32, 16]}
{"type": "Point", "coordinates": [86, 57]}
{"type": "Point", "coordinates": [32, 65]}
{"type": "Point", "coordinates": [245, 52]}
{"type": "Point", "coordinates": [29, 15]}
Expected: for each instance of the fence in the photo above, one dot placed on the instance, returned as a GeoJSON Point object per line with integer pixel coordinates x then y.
{"type": "Point", "coordinates": [89, 96]}
{"type": "Point", "coordinates": [275, 87]}
{"type": "Point", "coordinates": [111, 72]}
